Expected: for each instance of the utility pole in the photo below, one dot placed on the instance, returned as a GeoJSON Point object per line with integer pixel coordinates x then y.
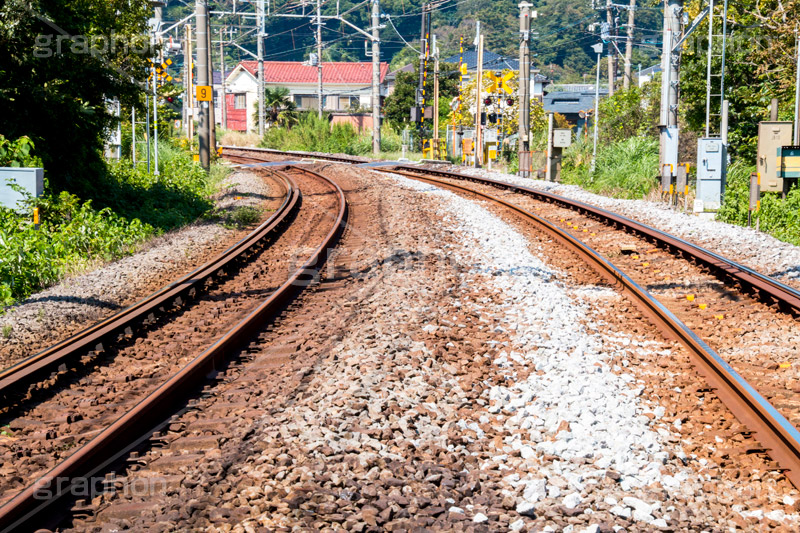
{"type": "Point", "coordinates": [796, 137]}
{"type": "Point", "coordinates": [669, 86]}
{"type": "Point", "coordinates": [262, 117]}
{"type": "Point", "coordinates": [435, 99]}
{"type": "Point", "coordinates": [204, 133]}
{"type": "Point", "coordinates": [319, 59]}
{"type": "Point", "coordinates": [478, 102]}
{"type": "Point", "coordinates": [155, 97]}
{"type": "Point", "coordinates": [212, 119]}
{"type": "Point", "coordinates": [422, 52]}
{"type": "Point", "coordinates": [626, 82]}
{"type": "Point", "coordinates": [376, 78]}
{"type": "Point", "coordinates": [598, 49]}
{"type": "Point", "coordinates": [223, 98]}
{"type": "Point", "coordinates": [611, 63]}
{"type": "Point", "coordinates": [188, 101]}
{"type": "Point", "coordinates": [523, 89]}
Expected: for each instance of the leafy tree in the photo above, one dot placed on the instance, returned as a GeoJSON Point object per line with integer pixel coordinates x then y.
{"type": "Point", "coordinates": [62, 61]}
{"type": "Point", "coordinates": [397, 106]}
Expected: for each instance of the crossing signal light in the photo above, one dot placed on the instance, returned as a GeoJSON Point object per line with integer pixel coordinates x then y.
{"type": "Point", "coordinates": [510, 101]}
{"type": "Point", "coordinates": [487, 101]}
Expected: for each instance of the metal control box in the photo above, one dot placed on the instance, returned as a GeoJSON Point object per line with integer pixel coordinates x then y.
{"type": "Point", "coordinates": [712, 163]}
{"type": "Point", "coordinates": [771, 137]}
{"type": "Point", "coordinates": [562, 138]}
{"type": "Point", "coordinates": [14, 180]}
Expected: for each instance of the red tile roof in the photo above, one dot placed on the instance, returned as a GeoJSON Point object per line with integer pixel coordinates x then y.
{"type": "Point", "coordinates": [332, 73]}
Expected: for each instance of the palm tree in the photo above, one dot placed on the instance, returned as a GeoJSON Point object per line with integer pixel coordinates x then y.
{"type": "Point", "coordinates": [280, 106]}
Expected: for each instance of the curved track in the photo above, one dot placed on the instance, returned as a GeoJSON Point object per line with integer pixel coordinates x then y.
{"type": "Point", "coordinates": [128, 431]}
{"type": "Point", "coordinates": [780, 438]}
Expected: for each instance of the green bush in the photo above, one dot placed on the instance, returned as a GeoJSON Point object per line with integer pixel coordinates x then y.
{"type": "Point", "coordinates": [624, 169]}
{"type": "Point", "coordinates": [779, 217]}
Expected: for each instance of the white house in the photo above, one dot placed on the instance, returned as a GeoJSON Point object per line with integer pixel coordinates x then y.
{"type": "Point", "coordinates": [345, 86]}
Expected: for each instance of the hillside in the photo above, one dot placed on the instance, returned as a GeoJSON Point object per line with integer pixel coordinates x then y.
{"type": "Point", "coordinates": [564, 30]}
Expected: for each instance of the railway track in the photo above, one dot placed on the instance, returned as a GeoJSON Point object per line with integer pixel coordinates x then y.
{"type": "Point", "coordinates": [751, 393]}
{"type": "Point", "coordinates": [88, 402]}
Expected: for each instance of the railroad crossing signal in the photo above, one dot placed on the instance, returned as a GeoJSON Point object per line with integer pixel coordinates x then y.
{"type": "Point", "coordinates": [500, 82]}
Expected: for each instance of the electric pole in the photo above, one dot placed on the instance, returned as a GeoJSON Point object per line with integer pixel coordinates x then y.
{"type": "Point", "coordinates": [223, 97]}
{"type": "Point", "coordinates": [212, 112]}
{"type": "Point", "coordinates": [626, 82]}
{"type": "Point", "coordinates": [669, 86]}
{"type": "Point", "coordinates": [260, 51]}
{"type": "Point", "coordinates": [523, 89]}
{"type": "Point", "coordinates": [155, 97]}
{"type": "Point", "coordinates": [188, 101]}
{"type": "Point", "coordinates": [376, 78]}
{"type": "Point", "coordinates": [204, 134]}
{"type": "Point", "coordinates": [796, 137]}
{"type": "Point", "coordinates": [423, 49]}
{"type": "Point", "coordinates": [611, 63]}
{"type": "Point", "coordinates": [435, 99]}
{"type": "Point", "coordinates": [478, 102]}
{"type": "Point", "coordinates": [319, 59]}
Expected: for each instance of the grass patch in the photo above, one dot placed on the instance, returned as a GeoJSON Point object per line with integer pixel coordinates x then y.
{"type": "Point", "coordinates": [123, 207]}
{"type": "Point", "coordinates": [624, 169]}
{"type": "Point", "coordinates": [779, 217]}
{"type": "Point", "coordinates": [244, 216]}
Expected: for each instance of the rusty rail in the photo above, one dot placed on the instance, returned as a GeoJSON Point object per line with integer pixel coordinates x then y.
{"type": "Point", "coordinates": [776, 434]}
{"type": "Point", "coordinates": [149, 414]}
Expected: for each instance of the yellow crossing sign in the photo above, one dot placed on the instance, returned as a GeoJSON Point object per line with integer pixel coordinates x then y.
{"type": "Point", "coordinates": [500, 82]}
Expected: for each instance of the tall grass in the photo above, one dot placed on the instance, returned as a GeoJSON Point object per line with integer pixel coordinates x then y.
{"type": "Point", "coordinates": [624, 169]}
{"type": "Point", "coordinates": [777, 216]}
{"type": "Point", "coordinates": [314, 134]}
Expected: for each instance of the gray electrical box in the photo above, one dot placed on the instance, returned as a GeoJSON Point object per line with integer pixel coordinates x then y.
{"type": "Point", "coordinates": [13, 180]}
{"type": "Point", "coordinates": [771, 137]}
{"type": "Point", "coordinates": [562, 138]}
{"type": "Point", "coordinates": [712, 163]}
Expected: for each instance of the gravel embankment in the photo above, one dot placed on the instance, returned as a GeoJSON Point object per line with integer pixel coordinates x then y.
{"type": "Point", "coordinates": [744, 245]}
{"type": "Point", "coordinates": [56, 313]}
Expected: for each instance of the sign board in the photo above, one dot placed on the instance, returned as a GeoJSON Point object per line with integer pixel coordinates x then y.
{"type": "Point", "coordinates": [562, 137]}
{"type": "Point", "coordinates": [204, 93]}
{"type": "Point", "coordinates": [489, 135]}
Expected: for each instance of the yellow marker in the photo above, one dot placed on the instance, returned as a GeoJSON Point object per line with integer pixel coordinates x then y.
{"type": "Point", "coordinates": [593, 234]}
{"type": "Point", "coordinates": [586, 231]}
{"type": "Point", "coordinates": [690, 297]}
{"type": "Point", "coordinates": [561, 220]}
{"type": "Point", "coordinates": [656, 271]}
{"type": "Point", "coordinates": [195, 157]}
{"type": "Point", "coordinates": [719, 317]}
{"type": "Point", "coordinates": [702, 306]}
{"type": "Point", "coordinates": [634, 256]}
{"type": "Point", "coordinates": [645, 264]}
{"type": "Point", "coordinates": [786, 365]}
{"type": "Point", "coordinates": [36, 216]}
{"type": "Point", "coordinates": [238, 198]}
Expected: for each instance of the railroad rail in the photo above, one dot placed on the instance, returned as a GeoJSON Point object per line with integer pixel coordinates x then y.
{"type": "Point", "coordinates": [149, 414]}
{"type": "Point", "coordinates": [778, 436]}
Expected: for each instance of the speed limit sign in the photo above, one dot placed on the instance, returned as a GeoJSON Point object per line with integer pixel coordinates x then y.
{"type": "Point", "coordinates": [204, 93]}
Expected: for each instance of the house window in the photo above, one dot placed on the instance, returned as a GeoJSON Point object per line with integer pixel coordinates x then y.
{"type": "Point", "coordinates": [306, 101]}
{"type": "Point", "coordinates": [240, 101]}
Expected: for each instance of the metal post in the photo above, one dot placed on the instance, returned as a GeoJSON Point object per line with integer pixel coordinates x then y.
{"type": "Point", "coordinates": [478, 101]}
{"type": "Point", "coordinates": [669, 85]}
{"type": "Point", "coordinates": [420, 100]}
{"type": "Point", "coordinates": [212, 112]}
{"type": "Point", "coordinates": [626, 82]}
{"type": "Point", "coordinates": [549, 169]}
{"type": "Point", "coordinates": [155, 123]}
{"type": "Point", "coordinates": [319, 59]}
{"type": "Point", "coordinates": [524, 94]}
{"type": "Point", "coordinates": [796, 138]}
{"type": "Point", "coordinates": [189, 100]}
{"type": "Point", "coordinates": [147, 127]}
{"type": "Point", "coordinates": [262, 117]}
{"type": "Point", "coordinates": [435, 136]}
{"type": "Point", "coordinates": [611, 65]}
{"type": "Point", "coordinates": [724, 122]}
{"type": "Point", "coordinates": [376, 78]}
{"type": "Point", "coordinates": [596, 115]}
{"type": "Point", "coordinates": [133, 134]}
{"type": "Point", "coordinates": [223, 99]}
{"type": "Point", "coordinates": [708, 65]}
{"type": "Point", "coordinates": [204, 133]}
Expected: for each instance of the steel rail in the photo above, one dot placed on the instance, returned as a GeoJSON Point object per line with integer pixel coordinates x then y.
{"type": "Point", "coordinates": [149, 414]}
{"type": "Point", "coordinates": [778, 436]}
{"type": "Point", "coordinates": [763, 287]}
{"type": "Point", "coordinates": [37, 366]}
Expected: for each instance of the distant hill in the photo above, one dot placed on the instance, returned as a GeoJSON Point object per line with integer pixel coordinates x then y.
{"type": "Point", "coordinates": [562, 49]}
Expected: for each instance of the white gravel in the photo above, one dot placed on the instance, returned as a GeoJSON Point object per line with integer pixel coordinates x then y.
{"type": "Point", "coordinates": [744, 245]}
{"type": "Point", "coordinates": [578, 405]}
